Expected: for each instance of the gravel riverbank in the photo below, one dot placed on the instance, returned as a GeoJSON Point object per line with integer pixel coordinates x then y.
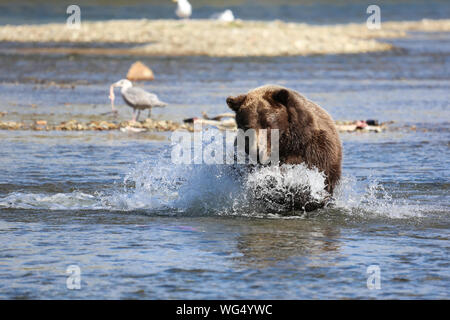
{"type": "Point", "coordinates": [212, 38]}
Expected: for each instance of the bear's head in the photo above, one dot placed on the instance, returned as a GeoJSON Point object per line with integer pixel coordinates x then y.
{"type": "Point", "coordinates": [273, 107]}
{"type": "Point", "coordinates": [261, 108]}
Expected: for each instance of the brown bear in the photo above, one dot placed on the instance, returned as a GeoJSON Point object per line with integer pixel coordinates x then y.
{"type": "Point", "coordinates": [307, 133]}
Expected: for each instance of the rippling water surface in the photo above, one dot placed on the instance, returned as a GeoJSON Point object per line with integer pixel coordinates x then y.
{"type": "Point", "coordinates": [140, 227]}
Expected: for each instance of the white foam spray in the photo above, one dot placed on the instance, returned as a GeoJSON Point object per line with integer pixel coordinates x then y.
{"type": "Point", "coordinates": [161, 187]}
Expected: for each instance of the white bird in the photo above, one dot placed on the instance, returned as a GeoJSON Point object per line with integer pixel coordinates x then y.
{"type": "Point", "coordinates": [136, 98]}
{"type": "Point", "coordinates": [226, 16]}
{"type": "Point", "coordinates": [184, 9]}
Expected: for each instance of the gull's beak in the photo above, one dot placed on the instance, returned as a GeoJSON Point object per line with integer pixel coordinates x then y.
{"type": "Point", "coordinates": [174, 0]}
{"type": "Point", "coordinates": [115, 84]}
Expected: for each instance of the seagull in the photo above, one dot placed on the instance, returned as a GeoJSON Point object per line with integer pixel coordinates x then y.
{"type": "Point", "coordinates": [136, 98]}
{"type": "Point", "coordinates": [226, 16]}
{"type": "Point", "coordinates": [184, 9]}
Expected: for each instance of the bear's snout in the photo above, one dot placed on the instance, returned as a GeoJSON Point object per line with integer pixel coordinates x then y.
{"type": "Point", "coordinates": [235, 102]}
{"type": "Point", "coordinates": [231, 103]}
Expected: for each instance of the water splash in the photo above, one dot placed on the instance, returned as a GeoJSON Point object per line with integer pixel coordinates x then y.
{"type": "Point", "coordinates": [160, 187]}
{"type": "Point", "coordinates": [369, 198]}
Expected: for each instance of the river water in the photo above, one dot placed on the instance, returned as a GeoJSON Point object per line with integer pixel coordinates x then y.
{"type": "Point", "coordinates": [138, 226]}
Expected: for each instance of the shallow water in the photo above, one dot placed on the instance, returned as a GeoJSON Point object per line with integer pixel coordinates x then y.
{"type": "Point", "coordinates": [139, 227]}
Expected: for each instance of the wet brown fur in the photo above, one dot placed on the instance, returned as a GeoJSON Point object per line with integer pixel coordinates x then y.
{"type": "Point", "coordinates": [307, 132]}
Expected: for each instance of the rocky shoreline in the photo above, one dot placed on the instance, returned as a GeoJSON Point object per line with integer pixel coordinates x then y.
{"type": "Point", "coordinates": [75, 125]}
{"type": "Point", "coordinates": [149, 125]}
{"type": "Point", "coordinates": [212, 38]}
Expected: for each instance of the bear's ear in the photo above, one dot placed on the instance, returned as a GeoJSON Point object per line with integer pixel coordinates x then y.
{"type": "Point", "coordinates": [281, 96]}
{"type": "Point", "coordinates": [235, 102]}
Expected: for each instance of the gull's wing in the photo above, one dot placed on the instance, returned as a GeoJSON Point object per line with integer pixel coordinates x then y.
{"type": "Point", "coordinates": [137, 97]}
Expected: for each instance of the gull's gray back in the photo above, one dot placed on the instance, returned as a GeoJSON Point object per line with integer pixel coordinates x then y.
{"type": "Point", "coordinates": [141, 99]}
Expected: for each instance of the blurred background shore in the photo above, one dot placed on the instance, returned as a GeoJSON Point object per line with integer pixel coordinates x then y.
{"type": "Point", "coordinates": [261, 28]}
{"type": "Point", "coordinates": [211, 38]}
{"type": "Point", "coordinates": [54, 73]}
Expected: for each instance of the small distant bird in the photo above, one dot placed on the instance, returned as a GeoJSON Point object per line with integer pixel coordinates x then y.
{"type": "Point", "coordinates": [136, 98]}
{"type": "Point", "coordinates": [184, 9]}
{"type": "Point", "coordinates": [226, 16]}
